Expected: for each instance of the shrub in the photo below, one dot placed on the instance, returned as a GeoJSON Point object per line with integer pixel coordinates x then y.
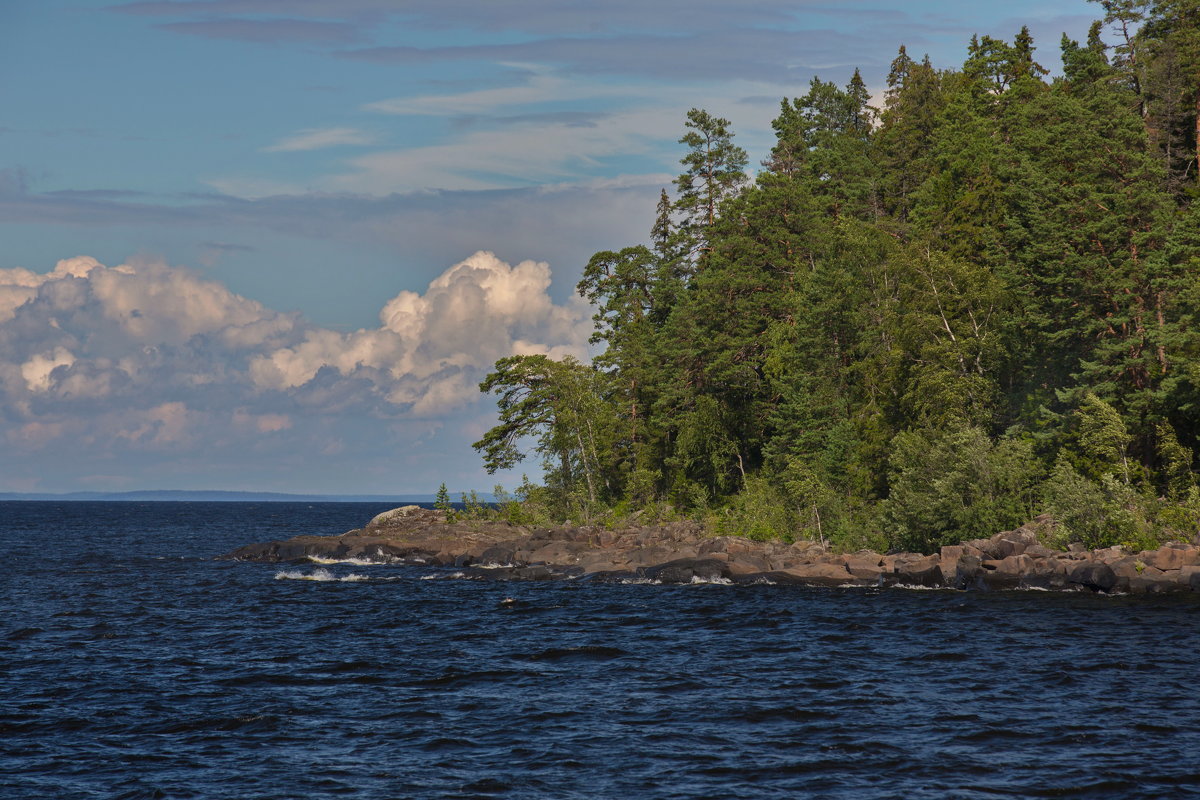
{"type": "Point", "coordinates": [759, 511]}
{"type": "Point", "coordinates": [952, 485]}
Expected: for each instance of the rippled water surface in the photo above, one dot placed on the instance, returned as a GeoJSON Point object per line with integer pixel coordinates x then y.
{"type": "Point", "coordinates": [133, 665]}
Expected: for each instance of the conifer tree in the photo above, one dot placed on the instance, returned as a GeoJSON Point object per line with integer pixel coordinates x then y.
{"type": "Point", "coordinates": [715, 171]}
{"type": "Point", "coordinates": [929, 323]}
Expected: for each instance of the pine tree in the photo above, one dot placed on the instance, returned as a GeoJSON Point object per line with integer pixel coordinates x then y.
{"type": "Point", "coordinates": [715, 171]}
{"type": "Point", "coordinates": [934, 321]}
{"type": "Point", "coordinates": [824, 139]}
{"type": "Point", "coordinates": [442, 501]}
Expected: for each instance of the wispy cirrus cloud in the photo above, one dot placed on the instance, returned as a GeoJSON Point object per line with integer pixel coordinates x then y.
{"type": "Point", "coordinates": [540, 86]}
{"type": "Point", "coordinates": [688, 55]}
{"type": "Point", "coordinates": [571, 119]}
{"type": "Point", "coordinates": [543, 16]}
{"type": "Point", "coordinates": [268, 31]}
{"type": "Point", "coordinates": [320, 138]}
{"type": "Point", "coordinates": [562, 224]}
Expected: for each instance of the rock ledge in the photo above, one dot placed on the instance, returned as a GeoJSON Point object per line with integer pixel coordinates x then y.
{"type": "Point", "coordinates": [680, 552]}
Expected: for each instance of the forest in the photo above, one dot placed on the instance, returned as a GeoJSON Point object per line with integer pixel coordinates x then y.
{"type": "Point", "coordinates": [917, 324]}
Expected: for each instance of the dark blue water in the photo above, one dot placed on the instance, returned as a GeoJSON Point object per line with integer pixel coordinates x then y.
{"type": "Point", "coordinates": [133, 665]}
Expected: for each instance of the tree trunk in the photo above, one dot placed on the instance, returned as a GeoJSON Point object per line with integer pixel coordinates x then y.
{"type": "Point", "coordinates": [1197, 130]}
{"type": "Point", "coordinates": [587, 470]}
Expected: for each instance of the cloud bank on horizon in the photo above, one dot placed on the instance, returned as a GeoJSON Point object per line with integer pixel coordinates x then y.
{"type": "Point", "coordinates": [152, 363]}
{"type": "Point", "coordinates": [316, 161]}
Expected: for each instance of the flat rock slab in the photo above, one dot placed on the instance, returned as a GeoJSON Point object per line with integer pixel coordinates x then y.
{"type": "Point", "coordinates": [681, 552]}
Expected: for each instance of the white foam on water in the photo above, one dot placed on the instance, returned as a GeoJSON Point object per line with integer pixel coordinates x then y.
{"type": "Point", "coordinates": [320, 575]}
{"type": "Point", "coordinates": [436, 577]}
{"type": "Point", "coordinates": [358, 562]}
{"type": "Point", "coordinates": [697, 580]}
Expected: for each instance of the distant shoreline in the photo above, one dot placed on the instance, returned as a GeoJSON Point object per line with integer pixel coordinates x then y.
{"type": "Point", "coordinates": [184, 495]}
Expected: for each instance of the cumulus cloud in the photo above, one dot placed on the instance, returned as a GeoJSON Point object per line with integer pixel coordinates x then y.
{"type": "Point", "coordinates": [432, 348]}
{"type": "Point", "coordinates": [145, 357]}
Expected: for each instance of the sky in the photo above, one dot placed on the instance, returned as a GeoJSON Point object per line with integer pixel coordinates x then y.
{"type": "Point", "coordinates": [274, 245]}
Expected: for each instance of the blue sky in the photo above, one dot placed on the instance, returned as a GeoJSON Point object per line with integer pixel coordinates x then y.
{"type": "Point", "coordinates": [294, 234]}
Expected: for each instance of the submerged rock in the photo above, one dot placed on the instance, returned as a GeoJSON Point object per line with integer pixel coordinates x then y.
{"type": "Point", "coordinates": [680, 552]}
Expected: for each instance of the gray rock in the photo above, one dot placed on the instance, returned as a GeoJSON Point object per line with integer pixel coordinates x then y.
{"type": "Point", "coordinates": [392, 515]}
{"type": "Point", "coordinates": [684, 570]}
{"type": "Point", "coordinates": [919, 571]}
{"type": "Point", "coordinates": [1093, 575]}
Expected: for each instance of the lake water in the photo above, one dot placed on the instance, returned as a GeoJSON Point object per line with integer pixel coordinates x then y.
{"type": "Point", "coordinates": [133, 665]}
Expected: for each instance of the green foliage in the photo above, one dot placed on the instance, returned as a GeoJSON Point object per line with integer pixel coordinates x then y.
{"type": "Point", "coordinates": [951, 485]}
{"type": "Point", "coordinates": [1094, 513]}
{"type": "Point", "coordinates": [473, 506]}
{"type": "Point", "coordinates": [918, 324]}
{"type": "Point", "coordinates": [1175, 464]}
{"type": "Point", "coordinates": [442, 502]}
{"type": "Point", "coordinates": [1103, 438]}
{"type": "Point", "coordinates": [715, 168]}
{"type": "Point", "coordinates": [1178, 518]}
{"type": "Point", "coordinates": [759, 511]}
{"type": "Point", "coordinates": [566, 406]}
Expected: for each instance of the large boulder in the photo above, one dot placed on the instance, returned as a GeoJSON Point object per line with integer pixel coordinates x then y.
{"type": "Point", "coordinates": [1172, 556]}
{"type": "Point", "coordinates": [966, 573]}
{"type": "Point", "coordinates": [819, 574]}
{"type": "Point", "coordinates": [1005, 573]}
{"type": "Point", "coordinates": [1047, 573]}
{"type": "Point", "coordinates": [1094, 575]}
{"type": "Point", "coordinates": [914, 570]}
{"type": "Point", "coordinates": [396, 516]}
{"type": "Point", "coordinates": [864, 565]}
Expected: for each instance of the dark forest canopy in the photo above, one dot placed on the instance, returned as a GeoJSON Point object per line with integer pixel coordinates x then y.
{"type": "Point", "coordinates": [918, 324]}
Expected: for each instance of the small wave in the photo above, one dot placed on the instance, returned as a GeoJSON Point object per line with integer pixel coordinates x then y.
{"type": "Point", "coordinates": [322, 575]}
{"type": "Point", "coordinates": [451, 576]}
{"type": "Point", "coordinates": [24, 633]}
{"type": "Point", "coordinates": [583, 653]}
{"type": "Point", "coordinates": [446, 577]}
{"type": "Point", "coordinates": [696, 579]}
{"type": "Point", "coordinates": [358, 562]}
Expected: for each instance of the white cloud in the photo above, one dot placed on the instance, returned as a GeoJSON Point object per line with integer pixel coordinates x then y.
{"type": "Point", "coordinates": [37, 369]}
{"type": "Point", "coordinates": [320, 138]}
{"type": "Point", "coordinates": [146, 358]}
{"type": "Point", "coordinates": [432, 349]}
{"type": "Point", "coordinates": [541, 87]}
{"type": "Point", "coordinates": [529, 134]}
{"type": "Point", "coordinates": [522, 135]}
{"type": "Point", "coordinates": [544, 152]}
{"type": "Point", "coordinates": [163, 425]}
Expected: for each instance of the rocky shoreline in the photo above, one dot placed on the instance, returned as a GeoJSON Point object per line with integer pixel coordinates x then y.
{"type": "Point", "coordinates": [681, 552]}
